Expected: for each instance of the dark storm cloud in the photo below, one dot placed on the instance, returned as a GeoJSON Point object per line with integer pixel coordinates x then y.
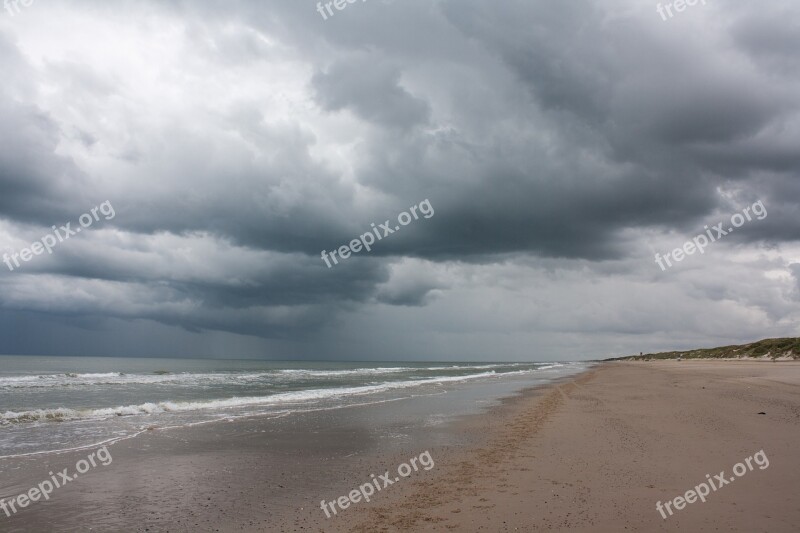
{"type": "Point", "coordinates": [771, 37]}
{"type": "Point", "coordinates": [563, 131]}
{"type": "Point", "coordinates": [28, 164]}
{"type": "Point", "coordinates": [372, 91]}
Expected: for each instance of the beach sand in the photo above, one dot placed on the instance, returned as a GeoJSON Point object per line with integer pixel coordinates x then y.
{"type": "Point", "coordinates": [593, 452]}
{"type": "Point", "coordinates": [596, 453]}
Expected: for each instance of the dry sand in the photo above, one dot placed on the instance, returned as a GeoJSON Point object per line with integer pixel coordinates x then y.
{"type": "Point", "coordinates": [597, 452]}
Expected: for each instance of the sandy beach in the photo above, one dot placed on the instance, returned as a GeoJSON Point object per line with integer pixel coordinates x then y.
{"type": "Point", "coordinates": [596, 453]}
{"type": "Point", "coordinates": [592, 452]}
{"type": "Point", "coordinates": [399, 266]}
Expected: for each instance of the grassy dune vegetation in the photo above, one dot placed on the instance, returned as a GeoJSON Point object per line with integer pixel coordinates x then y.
{"type": "Point", "coordinates": [763, 349]}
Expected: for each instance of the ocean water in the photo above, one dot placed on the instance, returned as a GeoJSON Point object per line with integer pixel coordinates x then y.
{"type": "Point", "coordinates": [61, 403]}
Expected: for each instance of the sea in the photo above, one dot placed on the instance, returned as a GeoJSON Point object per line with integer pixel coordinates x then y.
{"type": "Point", "coordinates": [56, 404]}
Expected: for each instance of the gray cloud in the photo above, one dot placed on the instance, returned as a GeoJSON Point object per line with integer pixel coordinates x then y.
{"type": "Point", "coordinates": [372, 90]}
{"type": "Point", "coordinates": [561, 144]}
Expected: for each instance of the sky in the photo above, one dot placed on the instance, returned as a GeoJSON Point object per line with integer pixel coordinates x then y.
{"type": "Point", "coordinates": [555, 147]}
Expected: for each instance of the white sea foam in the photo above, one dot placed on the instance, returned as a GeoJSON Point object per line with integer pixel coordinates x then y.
{"type": "Point", "coordinates": [349, 372]}
{"type": "Point", "coordinates": [295, 397]}
{"type": "Point", "coordinates": [124, 405]}
{"type": "Point", "coordinates": [57, 415]}
{"type": "Point", "coordinates": [73, 380]}
{"type": "Point", "coordinates": [118, 378]}
{"type": "Point", "coordinates": [82, 380]}
{"type": "Point", "coordinates": [238, 403]}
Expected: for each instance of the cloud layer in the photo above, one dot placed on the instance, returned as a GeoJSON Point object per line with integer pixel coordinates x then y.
{"type": "Point", "coordinates": [561, 144]}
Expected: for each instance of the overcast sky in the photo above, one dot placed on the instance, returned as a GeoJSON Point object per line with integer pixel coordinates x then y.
{"type": "Point", "coordinates": [561, 145]}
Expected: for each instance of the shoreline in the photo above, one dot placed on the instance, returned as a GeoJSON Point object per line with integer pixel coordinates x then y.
{"type": "Point", "coordinates": [61, 408]}
{"type": "Point", "coordinates": [253, 473]}
{"type": "Point", "coordinates": [597, 453]}
{"type": "Point", "coordinates": [593, 451]}
{"type": "Point", "coordinates": [504, 428]}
